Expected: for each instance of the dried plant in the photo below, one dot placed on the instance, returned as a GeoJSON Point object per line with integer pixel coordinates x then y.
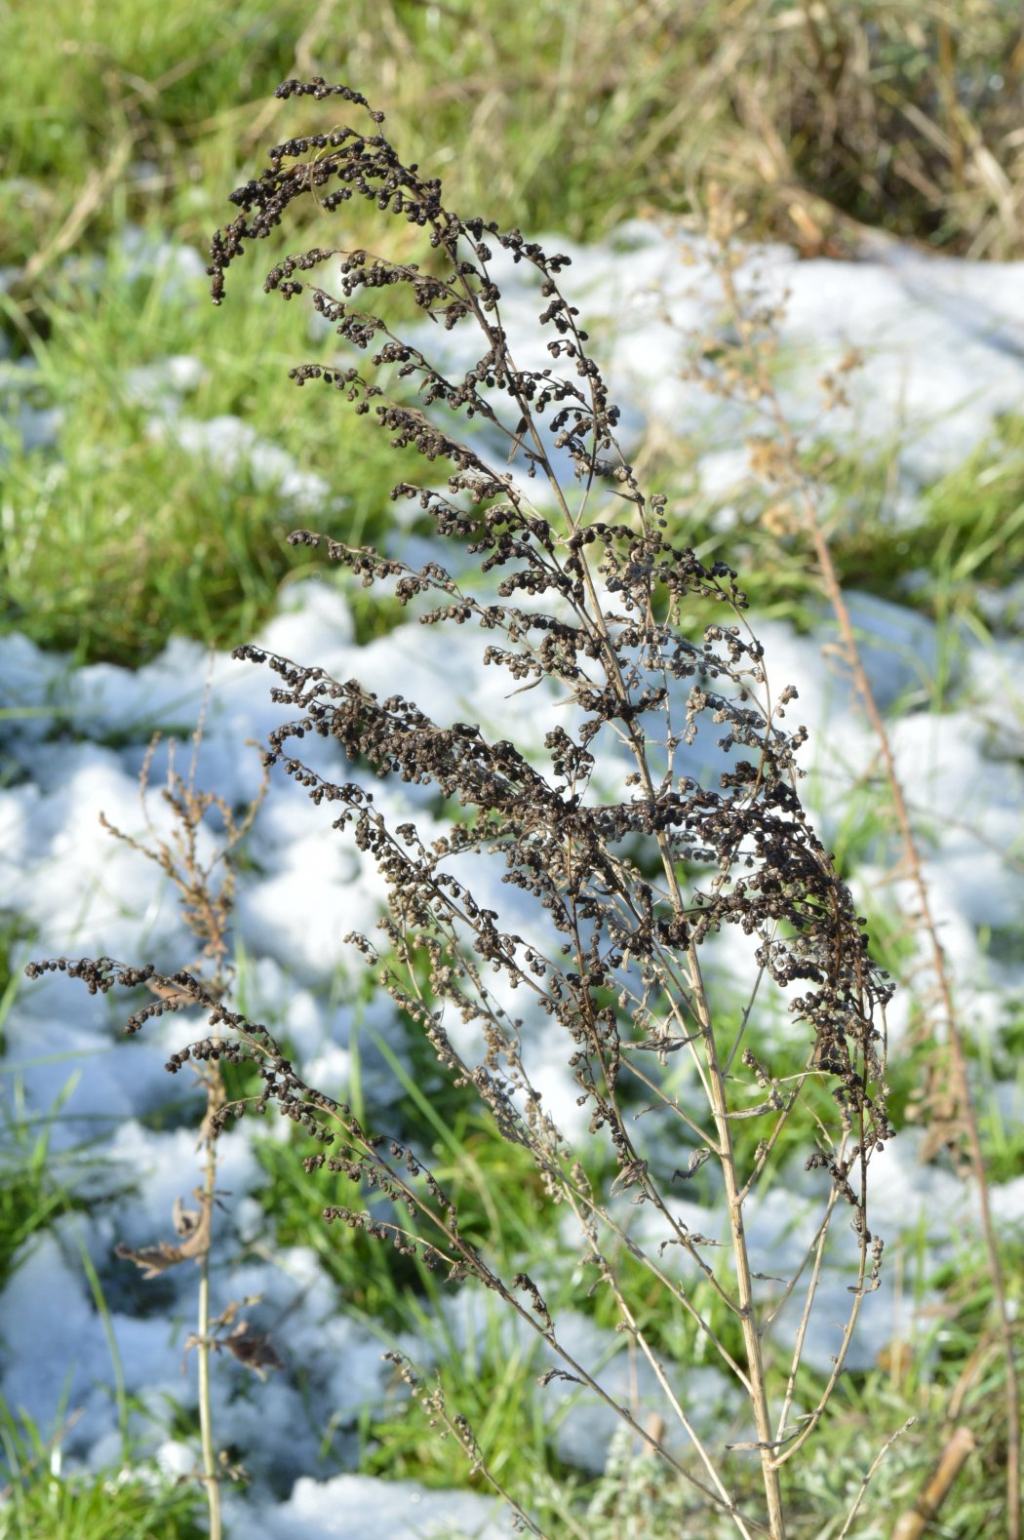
{"type": "Point", "coordinates": [741, 368]}
{"type": "Point", "coordinates": [595, 606]}
{"type": "Point", "coordinates": [206, 891]}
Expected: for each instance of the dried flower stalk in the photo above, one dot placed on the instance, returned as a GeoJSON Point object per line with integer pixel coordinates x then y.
{"type": "Point", "coordinates": [778, 457]}
{"type": "Point", "coordinates": [598, 607]}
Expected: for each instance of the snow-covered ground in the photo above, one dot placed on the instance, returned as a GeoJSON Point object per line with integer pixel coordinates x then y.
{"type": "Point", "coordinates": [944, 346]}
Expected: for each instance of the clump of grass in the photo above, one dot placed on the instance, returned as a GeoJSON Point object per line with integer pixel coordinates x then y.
{"type": "Point", "coordinates": [39, 1500]}
{"type": "Point", "coordinates": [29, 1196]}
{"type": "Point", "coordinates": [159, 487]}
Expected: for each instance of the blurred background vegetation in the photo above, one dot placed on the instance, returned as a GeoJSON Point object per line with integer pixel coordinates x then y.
{"type": "Point", "coordinates": [126, 123]}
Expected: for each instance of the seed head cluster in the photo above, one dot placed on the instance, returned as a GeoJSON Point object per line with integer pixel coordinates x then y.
{"type": "Point", "coordinates": [595, 605]}
{"type": "Point", "coordinates": [633, 852]}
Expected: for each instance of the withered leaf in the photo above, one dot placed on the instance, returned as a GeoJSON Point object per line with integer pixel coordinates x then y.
{"type": "Point", "coordinates": [252, 1348]}
{"type": "Point", "coordinates": [194, 1228]}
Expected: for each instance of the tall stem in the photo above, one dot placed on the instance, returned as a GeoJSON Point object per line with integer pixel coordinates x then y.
{"type": "Point", "coordinates": [958, 1054]}
{"type": "Point", "coordinates": [741, 1261]}
{"type": "Point", "coordinates": [912, 857]}
{"type": "Point", "coordinates": [211, 1478]}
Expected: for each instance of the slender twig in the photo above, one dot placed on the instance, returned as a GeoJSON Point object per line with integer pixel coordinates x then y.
{"type": "Point", "coordinates": [211, 1474]}
{"type": "Point", "coordinates": [870, 1474]}
{"type": "Point", "coordinates": [741, 1261]}
{"type": "Point", "coordinates": [965, 1095]}
{"type": "Point", "coordinates": [206, 899]}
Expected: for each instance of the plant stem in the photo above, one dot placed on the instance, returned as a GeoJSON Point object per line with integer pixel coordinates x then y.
{"type": "Point", "coordinates": [918, 1520]}
{"type": "Point", "coordinates": [911, 854]}
{"type": "Point", "coordinates": [211, 1479]}
{"type": "Point", "coordinates": [744, 1286]}
{"type": "Point", "coordinates": [968, 1111]}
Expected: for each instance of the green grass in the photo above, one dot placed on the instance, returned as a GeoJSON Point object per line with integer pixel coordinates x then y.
{"type": "Point", "coordinates": [31, 1196]}
{"type": "Point", "coordinates": [39, 1501]}
{"type": "Point", "coordinates": [559, 117]}
{"type": "Point", "coordinates": [973, 520]}
{"type": "Point", "coordinates": [14, 932]}
{"type": "Point", "coordinates": [186, 549]}
{"type": "Point", "coordinates": [31, 1192]}
{"type": "Point", "coordinates": [492, 1386]}
{"type": "Point", "coordinates": [947, 559]}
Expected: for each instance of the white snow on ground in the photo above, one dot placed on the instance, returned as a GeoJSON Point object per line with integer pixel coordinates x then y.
{"type": "Point", "coordinates": [945, 352]}
{"type": "Point", "coordinates": [228, 445]}
{"type": "Point", "coordinates": [942, 342]}
{"type": "Point", "coordinates": [352, 1507]}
